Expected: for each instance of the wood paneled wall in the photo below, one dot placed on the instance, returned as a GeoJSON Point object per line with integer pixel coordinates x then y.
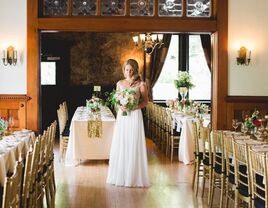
{"type": "Point", "coordinates": [239, 106]}
{"type": "Point", "coordinates": [15, 106]}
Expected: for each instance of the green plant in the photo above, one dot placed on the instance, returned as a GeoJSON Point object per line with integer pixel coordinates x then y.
{"type": "Point", "coordinates": [184, 80]}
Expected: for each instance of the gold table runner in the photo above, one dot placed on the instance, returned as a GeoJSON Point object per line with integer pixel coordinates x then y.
{"type": "Point", "coordinates": [95, 126]}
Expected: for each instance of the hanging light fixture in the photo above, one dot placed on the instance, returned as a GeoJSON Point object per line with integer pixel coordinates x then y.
{"type": "Point", "coordinates": [149, 41]}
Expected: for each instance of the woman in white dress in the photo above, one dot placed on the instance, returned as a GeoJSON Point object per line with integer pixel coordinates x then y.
{"type": "Point", "coordinates": [128, 165]}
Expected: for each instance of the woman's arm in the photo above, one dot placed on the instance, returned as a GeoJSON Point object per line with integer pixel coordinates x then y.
{"type": "Point", "coordinates": [144, 95]}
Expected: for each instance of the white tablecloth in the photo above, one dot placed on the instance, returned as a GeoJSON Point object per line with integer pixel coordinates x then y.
{"type": "Point", "coordinates": [11, 149]}
{"type": "Point", "coordinates": [80, 146]}
{"type": "Point", "coordinates": [186, 146]}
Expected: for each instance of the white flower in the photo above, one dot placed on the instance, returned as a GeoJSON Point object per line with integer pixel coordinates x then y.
{"type": "Point", "coordinates": [124, 101]}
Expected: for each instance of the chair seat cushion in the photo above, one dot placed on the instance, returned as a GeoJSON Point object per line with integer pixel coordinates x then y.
{"type": "Point", "coordinates": [66, 131]}
{"type": "Point", "coordinates": [259, 203]}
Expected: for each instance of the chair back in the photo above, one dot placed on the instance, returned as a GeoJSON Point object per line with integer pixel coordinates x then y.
{"type": "Point", "coordinates": [259, 176]}
{"type": "Point", "coordinates": [229, 154]}
{"type": "Point", "coordinates": [12, 188]}
{"type": "Point", "coordinates": [242, 173]}
{"type": "Point", "coordinates": [218, 151]}
{"type": "Point", "coordinates": [206, 145]}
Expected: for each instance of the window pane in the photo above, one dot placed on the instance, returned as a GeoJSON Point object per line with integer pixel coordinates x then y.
{"type": "Point", "coordinates": [113, 7]}
{"type": "Point", "coordinates": [169, 8]}
{"type": "Point", "coordinates": [84, 7]}
{"type": "Point", "coordinates": [55, 7]}
{"type": "Point", "coordinates": [164, 88]}
{"type": "Point", "coordinates": [141, 7]}
{"type": "Point", "coordinates": [199, 70]}
{"type": "Point", "coordinates": [197, 8]}
{"type": "Point", "coordinates": [48, 73]}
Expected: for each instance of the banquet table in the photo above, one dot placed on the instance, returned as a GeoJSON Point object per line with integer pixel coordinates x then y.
{"type": "Point", "coordinates": [80, 145]}
{"type": "Point", "coordinates": [183, 124]}
{"type": "Point", "coordinates": [13, 147]}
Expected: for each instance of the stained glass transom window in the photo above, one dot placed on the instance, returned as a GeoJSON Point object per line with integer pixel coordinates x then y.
{"type": "Point", "coordinates": [141, 7]}
{"type": "Point", "coordinates": [55, 7]}
{"type": "Point", "coordinates": [113, 7]}
{"type": "Point", "coordinates": [198, 8]}
{"type": "Point", "coordinates": [169, 8]}
{"type": "Point", "coordinates": [84, 7]}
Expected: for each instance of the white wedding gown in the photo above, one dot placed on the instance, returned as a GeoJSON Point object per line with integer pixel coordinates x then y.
{"type": "Point", "coordinates": [128, 165]}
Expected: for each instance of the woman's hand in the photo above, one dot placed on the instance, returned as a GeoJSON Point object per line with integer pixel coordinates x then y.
{"type": "Point", "coordinates": [123, 108]}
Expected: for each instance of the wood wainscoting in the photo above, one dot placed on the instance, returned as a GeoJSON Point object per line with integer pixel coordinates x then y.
{"type": "Point", "coordinates": [239, 106]}
{"type": "Point", "coordinates": [14, 106]}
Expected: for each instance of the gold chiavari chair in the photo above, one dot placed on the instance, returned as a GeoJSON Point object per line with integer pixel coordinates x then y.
{"type": "Point", "coordinates": [27, 179]}
{"type": "Point", "coordinates": [259, 177]}
{"type": "Point", "coordinates": [207, 159]}
{"type": "Point", "coordinates": [12, 188]}
{"type": "Point", "coordinates": [31, 199]}
{"type": "Point", "coordinates": [198, 158]}
{"type": "Point", "coordinates": [174, 140]}
{"type": "Point", "coordinates": [230, 174]}
{"type": "Point", "coordinates": [242, 174]}
{"type": "Point", "coordinates": [218, 164]}
{"type": "Point", "coordinates": [64, 134]}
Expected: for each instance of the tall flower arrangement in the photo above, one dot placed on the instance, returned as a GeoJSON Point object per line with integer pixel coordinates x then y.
{"type": "Point", "coordinates": [184, 80]}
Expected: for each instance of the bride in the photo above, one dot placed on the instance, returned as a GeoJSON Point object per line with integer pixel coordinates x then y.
{"type": "Point", "coordinates": [128, 164]}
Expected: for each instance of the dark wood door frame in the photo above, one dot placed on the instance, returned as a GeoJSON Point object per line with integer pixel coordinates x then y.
{"type": "Point", "coordinates": [217, 25]}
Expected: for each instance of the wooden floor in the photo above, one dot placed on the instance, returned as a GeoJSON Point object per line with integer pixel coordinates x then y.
{"type": "Point", "coordinates": [84, 186]}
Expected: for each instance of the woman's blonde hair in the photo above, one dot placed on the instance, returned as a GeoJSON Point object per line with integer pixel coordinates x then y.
{"type": "Point", "coordinates": [136, 77]}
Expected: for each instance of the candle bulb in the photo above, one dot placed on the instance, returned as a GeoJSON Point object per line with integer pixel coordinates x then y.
{"type": "Point", "coordinates": [15, 55]}
{"type": "Point", "coordinates": [4, 54]}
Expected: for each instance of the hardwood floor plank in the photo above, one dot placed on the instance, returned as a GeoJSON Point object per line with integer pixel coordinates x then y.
{"type": "Point", "coordinates": [85, 185]}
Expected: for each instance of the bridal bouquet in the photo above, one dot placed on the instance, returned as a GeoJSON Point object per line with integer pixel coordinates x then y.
{"type": "Point", "coordinates": [94, 104]}
{"type": "Point", "coordinates": [127, 98]}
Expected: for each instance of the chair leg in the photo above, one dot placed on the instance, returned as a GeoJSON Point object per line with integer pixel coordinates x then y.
{"type": "Point", "coordinates": [203, 182]}
{"type": "Point", "coordinates": [212, 187]}
{"type": "Point", "coordinates": [227, 194]}
{"type": "Point", "coordinates": [222, 190]}
{"type": "Point", "coordinates": [197, 178]}
{"type": "Point", "coordinates": [210, 184]}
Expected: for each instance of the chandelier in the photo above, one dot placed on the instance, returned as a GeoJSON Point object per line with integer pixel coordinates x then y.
{"type": "Point", "coordinates": [149, 41]}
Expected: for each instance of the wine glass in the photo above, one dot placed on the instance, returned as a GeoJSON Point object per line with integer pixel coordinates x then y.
{"type": "Point", "coordinates": [10, 123]}
{"type": "Point", "coordinates": [235, 124]}
{"type": "Point", "coordinates": [244, 128]}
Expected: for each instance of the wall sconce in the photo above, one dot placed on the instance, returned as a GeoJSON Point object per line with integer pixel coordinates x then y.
{"type": "Point", "coordinates": [149, 41]}
{"type": "Point", "coordinates": [242, 58]}
{"type": "Point", "coordinates": [9, 56]}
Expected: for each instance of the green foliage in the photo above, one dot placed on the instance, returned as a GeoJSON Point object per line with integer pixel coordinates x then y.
{"type": "Point", "coordinates": [184, 80]}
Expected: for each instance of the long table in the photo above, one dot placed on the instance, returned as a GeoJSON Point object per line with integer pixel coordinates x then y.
{"type": "Point", "coordinates": [184, 125]}
{"type": "Point", "coordinates": [80, 145]}
{"type": "Point", "coordinates": [12, 148]}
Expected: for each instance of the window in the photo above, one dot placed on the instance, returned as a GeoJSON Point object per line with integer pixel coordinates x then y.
{"type": "Point", "coordinates": [164, 88]}
{"type": "Point", "coordinates": [48, 73]}
{"type": "Point", "coordinates": [198, 69]}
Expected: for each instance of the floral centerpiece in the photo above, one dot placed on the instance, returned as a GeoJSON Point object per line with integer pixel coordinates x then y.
{"type": "Point", "coordinates": [3, 125]}
{"type": "Point", "coordinates": [94, 104]}
{"type": "Point", "coordinates": [126, 97]}
{"type": "Point", "coordinates": [200, 108]}
{"type": "Point", "coordinates": [183, 83]}
{"type": "Point", "coordinates": [253, 121]}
